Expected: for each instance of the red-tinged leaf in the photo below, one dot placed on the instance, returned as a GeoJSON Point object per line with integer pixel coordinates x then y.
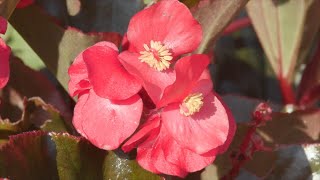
{"type": "Point", "coordinates": [285, 30]}
{"type": "Point", "coordinates": [299, 127]}
{"type": "Point", "coordinates": [7, 7]}
{"type": "Point", "coordinates": [297, 162]}
{"type": "Point", "coordinates": [62, 46]}
{"type": "Point", "coordinates": [27, 156]}
{"type": "Point", "coordinates": [93, 15]}
{"type": "Point", "coordinates": [190, 3]}
{"type": "Point", "coordinates": [36, 85]}
{"type": "Point", "coordinates": [309, 89]}
{"type": "Point", "coordinates": [53, 121]}
{"type": "Point", "coordinates": [36, 155]}
{"type": "Point", "coordinates": [214, 16]}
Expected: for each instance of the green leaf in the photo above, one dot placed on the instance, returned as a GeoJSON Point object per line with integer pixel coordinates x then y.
{"type": "Point", "coordinates": [37, 155]}
{"type": "Point", "coordinates": [214, 16]}
{"type": "Point", "coordinates": [7, 7]}
{"type": "Point", "coordinates": [285, 29]}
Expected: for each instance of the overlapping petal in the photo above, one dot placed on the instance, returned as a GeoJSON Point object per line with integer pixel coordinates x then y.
{"type": "Point", "coordinates": [188, 71]}
{"type": "Point", "coordinates": [151, 126]}
{"type": "Point", "coordinates": [202, 131]}
{"type": "Point", "coordinates": [106, 123]}
{"type": "Point", "coordinates": [108, 77]}
{"type": "Point", "coordinates": [169, 22]}
{"type": "Point", "coordinates": [160, 153]}
{"type": "Point", "coordinates": [152, 80]}
{"type": "Point", "coordinates": [4, 63]}
{"type": "Point", "coordinates": [152, 157]}
{"type": "Point", "coordinates": [78, 73]}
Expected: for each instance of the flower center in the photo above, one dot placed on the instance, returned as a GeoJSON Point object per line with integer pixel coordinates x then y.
{"type": "Point", "coordinates": [156, 56]}
{"type": "Point", "coordinates": [191, 104]}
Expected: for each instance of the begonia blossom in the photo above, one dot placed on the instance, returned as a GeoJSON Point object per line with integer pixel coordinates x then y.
{"type": "Point", "coordinates": [191, 126]}
{"type": "Point", "coordinates": [4, 55]}
{"type": "Point", "coordinates": [157, 36]}
{"type": "Point", "coordinates": [108, 110]}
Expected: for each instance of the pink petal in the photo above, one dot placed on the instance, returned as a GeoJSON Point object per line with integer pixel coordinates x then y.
{"type": "Point", "coordinates": [201, 132]}
{"type": "Point", "coordinates": [168, 21]}
{"type": "Point", "coordinates": [3, 25]}
{"type": "Point", "coordinates": [188, 71]}
{"type": "Point", "coordinates": [152, 80]}
{"type": "Point", "coordinates": [107, 123]}
{"type": "Point", "coordinates": [187, 160]}
{"type": "Point", "coordinates": [151, 125]}
{"type": "Point", "coordinates": [106, 74]}
{"type": "Point", "coordinates": [4, 63]}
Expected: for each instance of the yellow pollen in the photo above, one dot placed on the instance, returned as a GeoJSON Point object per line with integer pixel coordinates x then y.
{"type": "Point", "coordinates": [156, 56]}
{"type": "Point", "coordinates": [191, 104]}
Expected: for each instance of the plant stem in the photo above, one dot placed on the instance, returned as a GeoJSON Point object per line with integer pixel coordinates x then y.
{"type": "Point", "coordinates": [287, 92]}
{"type": "Point", "coordinates": [237, 25]}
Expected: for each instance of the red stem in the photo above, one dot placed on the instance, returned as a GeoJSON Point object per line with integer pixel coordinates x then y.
{"type": "Point", "coordinates": [287, 92]}
{"type": "Point", "coordinates": [237, 25]}
{"type": "Point", "coordinates": [243, 156]}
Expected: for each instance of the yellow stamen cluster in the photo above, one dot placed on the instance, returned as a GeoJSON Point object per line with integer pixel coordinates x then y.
{"type": "Point", "coordinates": [191, 104]}
{"type": "Point", "coordinates": [156, 56]}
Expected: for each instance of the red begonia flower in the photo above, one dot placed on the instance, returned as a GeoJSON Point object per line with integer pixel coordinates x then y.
{"type": "Point", "coordinates": [192, 128]}
{"type": "Point", "coordinates": [159, 153]}
{"type": "Point", "coordinates": [194, 115]}
{"type": "Point", "coordinates": [155, 37]}
{"type": "Point", "coordinates": [105, 114]}
{"type": "Point", "coordinates": [4, 63]}
{"type": "Point", "coordinates": [24, 3]}
{"type": "Point", "coordinates": [3, 25]}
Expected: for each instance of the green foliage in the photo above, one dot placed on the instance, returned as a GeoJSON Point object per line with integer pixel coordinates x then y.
{"type": "Point", "coordinates": [37, 155]}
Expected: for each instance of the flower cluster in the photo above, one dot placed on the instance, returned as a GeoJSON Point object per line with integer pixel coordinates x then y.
{"type": "Point", "coordinates": [152, 96]}
{"type": "Point", "coordinates": [4, 55]}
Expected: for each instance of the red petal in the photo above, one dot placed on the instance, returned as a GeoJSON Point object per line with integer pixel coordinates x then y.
{"type": "Point", "coordinates": [201, 132]}
{"type": "Point", "coordinates": [152, 157]}
{"type": "Point", "coordinates": [78, 73]}
{"type": "Point", "coordinates": [151, 125]}
{"type": "Point", "coordinates": [108, 123]}
{"type": "Point", "coordinates": [152, 80]}
{"type": "Point", "coordinates": [3, 25]}
{"type": "Point", "coordinates": [187, 160]}
{"type": "Point", "coordinates": [232, 129]}
{"type": "Point", "coordinates": [4, 63]}
{"type": "Point", "coordinates": [188, 71]}
{"type": "Point", "coordinates": [24, 3]}
{"type": "Point", "coordinates": [77, 117]}
{"type": "Point", "coordinates": [168, 21]}
{"type": "Point", "coordinates": [106, 74]}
